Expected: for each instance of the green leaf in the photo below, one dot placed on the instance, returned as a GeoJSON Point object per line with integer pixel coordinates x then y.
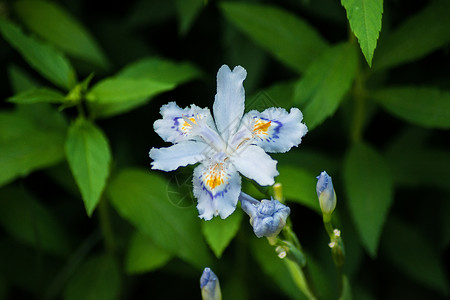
{"type": "Point", "coordinates": [219, 233]}
{"type": "Point", "coordinates": [412, 254]}
{"type": "Point", "coordinates": [141, 198]}
{"type": "Point", "coordinates": [30, 222]}
{"type": "Point", "coordinates": [97, 278]}
{"type": "Point", "coordinates": [38, 95]}
{"type": "Point", "coordinates": [275, 268]}
{"type": "Point", "coordinates": [346, 289]}
{"type": "Point", "coordinates": [369, 188]}
{"type": "Point", "coordinates": [365, 17]}
{"type": "Point", "coordinates": [421, 34]}
{"type": "Point", "coordinates": [299, 186]}
{"type": "Point", "coordinates": [54, 24]}
{"type": "Point", "coordinates": [89, 157]}
{"type": "Point", "coordinates": [287, 37]}
{"type": "Point", "coordinates": [144, 256]}
{"type": "Point", "coordinates": [325, 83]}
{"type": "Point", "coordinates": [424, 106]}
{"type": "Point", "coordinates": [30, 140]}
{"type": "Point", "coordinates": [280, 94]}
{"type": "Point", "coordinates": [19, 79]}
{"type": "Point", "coordinates": [42, 57]}
{"type": "Point", "coordinates": [187, 11]}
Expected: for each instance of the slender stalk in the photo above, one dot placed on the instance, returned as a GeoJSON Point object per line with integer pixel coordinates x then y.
{"type": "Point", "coordinates": [105, 225]}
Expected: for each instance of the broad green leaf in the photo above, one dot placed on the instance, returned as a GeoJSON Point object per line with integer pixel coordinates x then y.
{"type": "Point", "coordinates": [280, 94]}
{"type": "Point", "coordinates": [299, 186]}
{"type": "Point", "coordinates": [141, 197]}
{"type": "Point", "coordinates": [89, 157]}
{"type": "Point", "coordinates": [38, 95]}
{"type": "Point", "coordinates": [19, 79]}
{"type": "Point", "coordinates": [365, 17]}
{"type": "Point", "coordinates": [421, 34]}
{"type": "Point", "coordinates": [369, 186]}
{"type": "Point", "coordinates": [187, 11]}
{"type": "Point", "coordinates": [325, 83]}
{"type": "Point", "coordinates": [54, 24]}
{"type": "Point", "coordinates": [412, 254]}
{"type": "Point", "coordinates": [275, 268]}
{"type": "Point", "coordinates": [97, 278]}
{"type": "Point", "coordinates": [30, 222]}
{"type": "Point", "coordinates": [30, 140]}
{"type": "Point", "coordinates": [219, 233]}
{"type": "Point", "coordinates": [144, 256]}
{"type": "Point", "coordinates": [42, 57]}
{"type": "Point", "coordinates": [428, 107]}
{"type": "Point", "coordinates": [287, 37]}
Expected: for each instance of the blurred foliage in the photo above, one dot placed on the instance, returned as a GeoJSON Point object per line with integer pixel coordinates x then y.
{"type": "Point", "coordinates": [82, 216]}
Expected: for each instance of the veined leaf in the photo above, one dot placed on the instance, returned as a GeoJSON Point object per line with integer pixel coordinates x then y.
{"type": "Point", "coordinates": [97, 278]}
{"type": "Point", "coordinates": [324, 84]}
{"type": "Point", "coordinates": [364, 17]}
{"type": "Point", "coordinates": [54, 24]}
{"type": "Point", "coordinates": [424, 106]}
{"type": "Point", "coordinates": [38, 95]}
{"type": "Point", "coordinates": [369, 186]}
{"type": "Point", "coordinates": [89, 156]}
{"type": "Point", "coordinates": [287, 37]}
{"type": "Point", "coordinates": [144, 256]}
{"type": "Point", "coordinates": [30, 140]}
{"type": "Point", "coordinates": [421, 34]}
{"type": "Point", "coordinates": [42, 57]}
{"type": "Point", "coordinates": [142, 198]}
{"type": "Point", "coordinates": [219, 233]}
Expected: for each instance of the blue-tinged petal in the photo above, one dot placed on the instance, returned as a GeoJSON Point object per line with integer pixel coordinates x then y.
{"type": "Point", "coordinates": [217, 185]}
{"type": "Point", "coordinates": [178, 155]}
{"type": "Point", "coordinates": [174, 128]}
{"type": "Point", "coordinates": [275, 130]}
{"type": "Point", "coordinates": [252, 162]}
{"type": "Point", "coordinates": [229, 104]}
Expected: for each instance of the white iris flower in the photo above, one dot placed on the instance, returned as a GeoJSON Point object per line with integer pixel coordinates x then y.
{"type": "Point", "coordinates": [226, 145]}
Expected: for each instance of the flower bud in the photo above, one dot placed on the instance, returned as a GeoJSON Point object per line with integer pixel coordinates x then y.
{"type": "Point", "coordinates": [209, 284]}
{"type": "Point", "coordinates": [267, 217]}
{"type": "Point", "coordinates": [326, 194]}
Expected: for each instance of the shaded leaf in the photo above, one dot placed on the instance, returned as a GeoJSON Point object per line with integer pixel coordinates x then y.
{"type": "Point", "coordinates": [30, 222]}
{"type": "Point", "coordinates": [38, 95]}
{"type": "Point", "coordinates": [20, 81]}
{"type": "Point", "coordinates": [219, 233]}
{"type": "Point", "coordinates": [30, 140]}
{"type": "Point", "coordinates": [299, 185]}
{"type": "Point", "coordinates": [144, 256]}
{"type": "Point", "coordinates": [325, 83]}
{"type": "Point", "coordinates": [187, 11]}
{"type": "Point", "coordinates": [280, 94]}
{"type": "Point", "coordinates": [141, 198]}
{"type": "Point", "coordinates": [97, 278]}
{"type": "Point", "coordinates": [369, 186]}
{"type": "Point", "coordinates": [42, 57]}
{"type": "Point", "coordinates": [421, 34]}
{"type": "Point", "coordinates": [428, 107]}
{"type": "Point", "coordinates": [287, 37]}
{"type": "Point", "coordinates": [365, 17]}
{"type": "Point", "coordinates": [412, 254]}
{"type": "Point", "coordinates": [54, 24]}
{"type": "Point", "coordinates": [89, 157]}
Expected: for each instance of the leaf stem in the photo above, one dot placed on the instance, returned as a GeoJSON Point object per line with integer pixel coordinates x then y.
{"type": "Point", "coordinates": [105, 225]}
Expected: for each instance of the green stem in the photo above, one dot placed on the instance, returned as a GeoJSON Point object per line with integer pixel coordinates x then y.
{"type": "Point", "coordinates": [105, 225]}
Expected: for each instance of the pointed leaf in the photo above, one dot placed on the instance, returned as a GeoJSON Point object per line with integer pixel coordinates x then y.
{"type": "Point", "coordinates": [38, 95]}
{"type": "Point", "coordinates": [320, 91]}
{"type": "Point", "coordinates": [219, 233]}
{"type": "Point", "coordinates": [287, 37]}
{"type": "Point", "coordinates": [42, 57]}
{"type": "Point", "coordinates": [141, 198]}
{"type": "Point", "coordinates": [89, 157]}
{"type": "Point", "coordinates": [424, 106]}
{"type": "Point", "coordinates": [54, 24]}
{"type": "Point", "coordinates": [97, 278]}
{"type": "Point", "coordinates": [20, 80]}
{"type": "Point", "coordinates": [144, 256]}
{"type": "Point", "coordinates": [30, 140]}
{"type": "Point", "coordinates": [365, 21]}
{"type": "Point", "coordinates": [369, 188]}
{"type": "Point", "coordinates": [421, 34]}
{"type": "Point", "coordinates": [187, 11]}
